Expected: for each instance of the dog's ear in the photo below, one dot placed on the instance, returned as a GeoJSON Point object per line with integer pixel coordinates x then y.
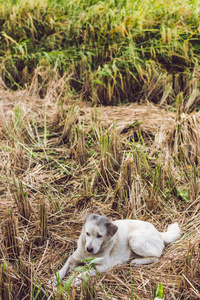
{"type": "Point", "coordinates": [89, 216]}
{"type": "Point", "coordinates": [112, 228]}
{"type": "Point", "coordinates": [85, 217]}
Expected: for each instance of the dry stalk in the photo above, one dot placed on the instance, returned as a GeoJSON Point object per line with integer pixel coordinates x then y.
{"type": "Point", "coordinates": [43, 216]}
{"type": "Point", "coordinates": [23, 203]}
{"type": "Point", "coordinates": [11, 235]}
{"type": "Point", "coordinates": [124, 184]}
{"type": "Point", "coordinates": [186, 138]}
{"type": "Point", "coordinates": [80, 152]}
{"type": "Point", "coordinates": [110, 158]}
{"type": "Point", "coordinates": [6, 289]}
{"type": "Point", "coordinates": [69, 122]}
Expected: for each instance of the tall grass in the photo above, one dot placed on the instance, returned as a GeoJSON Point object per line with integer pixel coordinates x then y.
{"type": "Point", "coordinates": [116, 51]}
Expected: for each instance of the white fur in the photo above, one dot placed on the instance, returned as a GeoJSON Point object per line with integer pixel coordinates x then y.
{"type": "Point", "coordinates": [119, 242]}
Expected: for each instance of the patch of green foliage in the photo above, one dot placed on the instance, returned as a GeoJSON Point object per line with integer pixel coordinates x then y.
{"type": "Point", "coordinates": [112, 48]}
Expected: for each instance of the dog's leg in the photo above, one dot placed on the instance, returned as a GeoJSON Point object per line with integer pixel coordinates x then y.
{"type": "Point", "coordinates": [90, 273]}
{"type": "Point", "coordinates": [143, 261]}
{"type": "Point", "coordinates": [79, 277]}
{"type": "Point", "coordinates": [148, 246]}
{"type": "Point", "coordinates": [68, 267]}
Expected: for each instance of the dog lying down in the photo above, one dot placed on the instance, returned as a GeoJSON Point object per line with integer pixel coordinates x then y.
{"type": "Point", "coordinates": [119, 242]}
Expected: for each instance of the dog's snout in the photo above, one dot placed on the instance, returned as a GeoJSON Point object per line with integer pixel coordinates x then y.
{"type": "Point", "coordinates": [90, 249]}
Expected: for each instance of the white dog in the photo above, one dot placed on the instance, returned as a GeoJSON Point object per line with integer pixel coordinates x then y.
{"type": "Point", "coordinates": [119, 242]}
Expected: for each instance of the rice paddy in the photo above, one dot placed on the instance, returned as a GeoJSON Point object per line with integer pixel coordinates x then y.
{"type": "Point", "coordinates": [99, 113]}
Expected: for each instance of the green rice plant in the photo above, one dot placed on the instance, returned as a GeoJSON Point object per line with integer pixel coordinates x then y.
{"type": "Point", "coordinates": [159, 292]}
{"type": "Point", "coordinates": [109, 46]}
{"type": "Point", "coordinates": [87, 188]}
{"type": "Point", "coordinates": [35, 293]}
{"type": "Point", "coordinates": [183, 194]}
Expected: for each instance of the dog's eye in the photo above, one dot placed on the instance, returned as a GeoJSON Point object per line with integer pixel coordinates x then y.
{"type": "Point", "coordinates": [87, 233]}
{"type": "Point", "coordinates": [99, 236]}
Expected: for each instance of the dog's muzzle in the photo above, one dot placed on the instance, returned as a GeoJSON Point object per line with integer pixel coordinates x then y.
{"type": "Point", "coordinates": [90, 249]}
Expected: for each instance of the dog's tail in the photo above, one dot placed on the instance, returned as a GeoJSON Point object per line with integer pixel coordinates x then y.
{"type": "Point", "coordinates": [172, 234]}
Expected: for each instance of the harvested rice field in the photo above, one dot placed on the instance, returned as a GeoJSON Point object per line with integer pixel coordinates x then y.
{"type": "Point", "coordinates": [99, 113]}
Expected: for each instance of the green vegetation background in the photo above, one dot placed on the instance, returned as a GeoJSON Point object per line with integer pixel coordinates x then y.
{"type": "Point", "coordinates": [114, 51]}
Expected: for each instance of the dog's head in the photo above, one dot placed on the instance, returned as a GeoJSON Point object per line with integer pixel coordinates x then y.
{"type": "Point", "coordinates": [97, 232]}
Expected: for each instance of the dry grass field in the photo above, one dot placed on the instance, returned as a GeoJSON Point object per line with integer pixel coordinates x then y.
{"type": "Point", "coordinates": [61, 159]}
{"type": "Point", "coordinates": [99, 113]}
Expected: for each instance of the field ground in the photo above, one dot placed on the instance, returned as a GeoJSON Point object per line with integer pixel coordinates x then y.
{"type": "Point", "coordinates": [100, 113]}
{"type": "Point", "coordinates": [130, 161]}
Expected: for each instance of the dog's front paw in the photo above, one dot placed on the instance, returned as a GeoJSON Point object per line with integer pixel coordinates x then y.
{"type": "Point", "coordinates": [56, 279]}
{"type": "Point", "coordinates": [53, 281]}
{"type": "Point", "coordinates": [84, 276]}
{"type": "Point", "coordinates": [77, 281]}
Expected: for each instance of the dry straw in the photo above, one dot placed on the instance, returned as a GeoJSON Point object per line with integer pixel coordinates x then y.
{"type": "Point", "coordinates": [60, 160]}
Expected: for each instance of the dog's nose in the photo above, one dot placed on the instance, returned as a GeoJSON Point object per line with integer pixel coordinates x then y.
{"type": "Point", "coordinates": [90, 249]}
